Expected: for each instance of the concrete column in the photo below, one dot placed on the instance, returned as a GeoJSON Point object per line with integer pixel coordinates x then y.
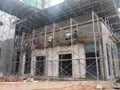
{"type": "Point", "coordinates": [118, 72]}
{"type": "Point", "coordinates": [104, 42]}
{"type": "Point", "coordinates": [78, 62]}
{"type": "Point", "coordinates": [82, 61]}
{"type": "Point", "coordinates": [55, 68]}
{"type": "Point", "coordinates": [111, 60]}
{"type": "Point", "coordinates": [101, 61]}
{"type": "Point", "coordinates": [116, 64]}
{"type": "Point", "coordinates": [46, 65]}
{"type": "Point", "coordinates": [56, 63]}
{"type": "Point", "coordinates": [33, 63]}
{"type": "Point", "coordinates": [49, 68]}
{"type": "Point", "coordinates": [75, 62]}
{"type": "Point", "coordinates": [23, 63]}
{"type": "Point", "coordinates": [105, 61]}
{"type": "Point", "coordinates": [49, 62]}
{"type": "Point", "coordinates": [52, 63]}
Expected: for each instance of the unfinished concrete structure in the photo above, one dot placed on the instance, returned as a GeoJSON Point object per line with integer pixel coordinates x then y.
{"type": "Point", "coordinates": [93, 54]}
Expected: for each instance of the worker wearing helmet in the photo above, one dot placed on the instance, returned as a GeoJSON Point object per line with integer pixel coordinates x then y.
{"type": "Point", "coordinates": [50, 38]}
{"type": "Point", "coordinates": [68, 35]}
{"type": "Point", "coordinates": [75, 34]}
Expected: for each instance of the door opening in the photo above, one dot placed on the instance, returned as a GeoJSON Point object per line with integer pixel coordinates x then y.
{"type": "Point", "coordinates": [65, 65]}
{"type": "Point", "coordinates": [40, 66]}
{"type": "Point", "coordinates": [91, 69]}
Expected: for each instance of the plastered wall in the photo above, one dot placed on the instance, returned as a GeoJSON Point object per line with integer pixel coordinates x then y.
{"type": "Point", "coordinates": [52, 60]}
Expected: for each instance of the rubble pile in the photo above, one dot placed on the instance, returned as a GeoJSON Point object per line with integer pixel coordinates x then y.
{"type": "Point", "coordinates": [10, 79]}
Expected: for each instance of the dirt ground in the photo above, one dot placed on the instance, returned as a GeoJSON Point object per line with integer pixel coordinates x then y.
{"type": "Point", "coordinates": [48, 85]}
{"type": "Point", "coordinates": [43, 86]}
{"type": "Point", "coordinates": [16, 83]}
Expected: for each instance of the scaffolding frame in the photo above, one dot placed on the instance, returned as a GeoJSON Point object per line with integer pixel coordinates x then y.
{"type": "Point", "coordinates": [72, 23]}
{"type": "Point", "coordinates": [96, 37]}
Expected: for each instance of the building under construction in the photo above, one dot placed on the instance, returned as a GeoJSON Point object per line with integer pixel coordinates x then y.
{"type": "Point", "coordinates": [93, 54]}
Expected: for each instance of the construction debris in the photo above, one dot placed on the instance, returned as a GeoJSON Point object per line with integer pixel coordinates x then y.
{"type": "Point", "coordinates": [13, 79]}
{"type": "Point", "coordinates": [10, 79]}
{"type": "Point", "coordinates": [29, 80]}
{"type": "Point", "coordinates": [99, 87]}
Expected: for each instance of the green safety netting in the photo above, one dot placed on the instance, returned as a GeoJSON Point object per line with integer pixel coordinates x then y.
{"type": "Point", "coordinates": [36, 3]}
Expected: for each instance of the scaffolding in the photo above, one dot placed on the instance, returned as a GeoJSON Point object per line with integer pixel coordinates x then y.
{"type": "Point", "coordinates": [63, 59]}
{"type": "Point", "coordinates": [59, 59]}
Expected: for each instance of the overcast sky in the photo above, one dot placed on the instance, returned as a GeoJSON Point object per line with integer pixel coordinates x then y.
{"type": "Point", "coordinates": [54, 2]}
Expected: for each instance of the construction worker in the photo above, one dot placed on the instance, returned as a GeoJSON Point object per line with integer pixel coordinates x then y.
{"type": "Point", "coordinates": [68, 35]}
{"type": "Point", "coordinates": [17, 41]}
{"type": "Point", "coordinates": [34, 42]}
{"type": "Point", "coordinates": [75, 34]}
{"type": "Point", "coordinates": [25, 43]}
{"type": "Point", "coordinates": [50, 38]}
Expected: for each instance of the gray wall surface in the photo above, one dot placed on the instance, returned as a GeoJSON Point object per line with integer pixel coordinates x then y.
{"type": "Point", "coordinates": [7, 31]}
{"type": "Point", "coordinates": [6, 56]}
